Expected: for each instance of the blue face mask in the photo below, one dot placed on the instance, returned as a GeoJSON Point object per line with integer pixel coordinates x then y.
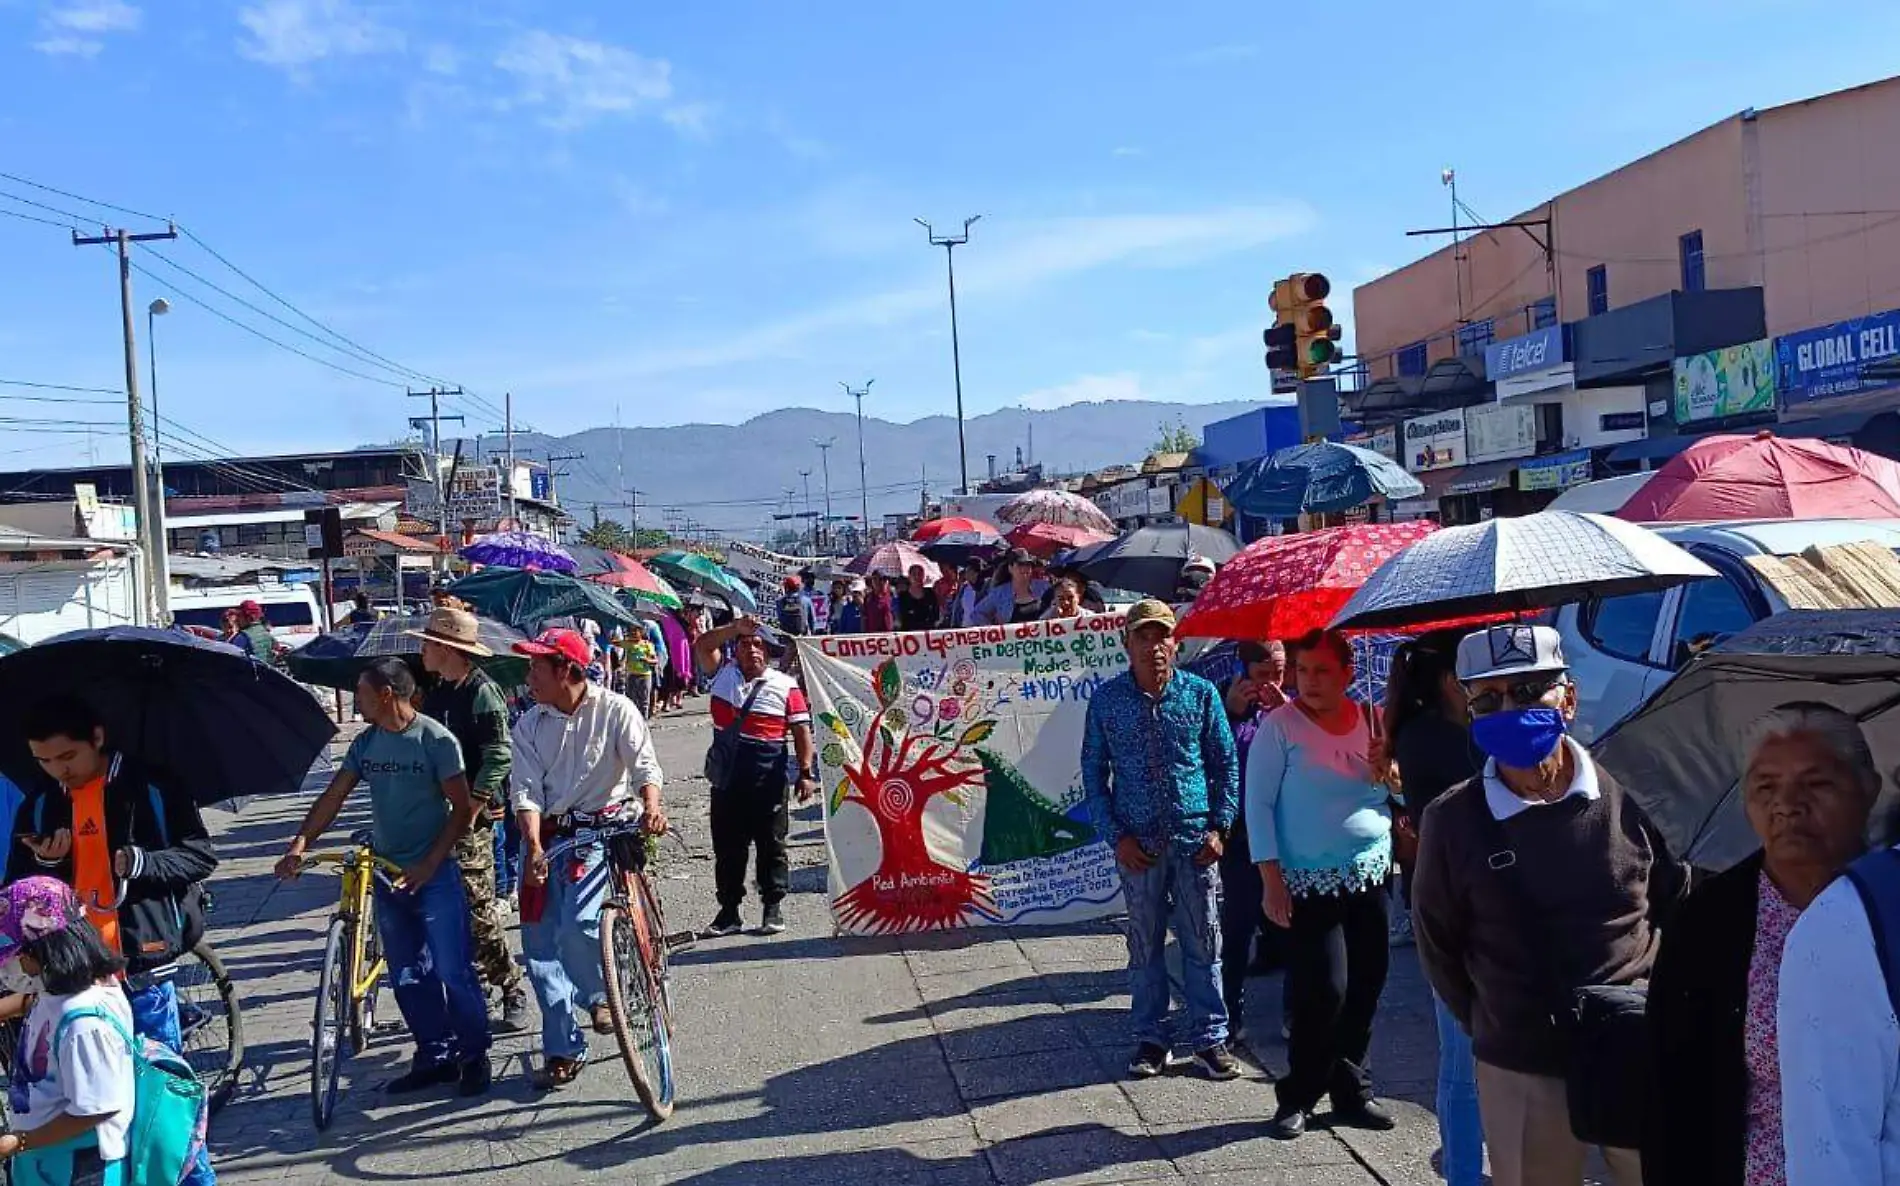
{"type": "Point", "coordinates": [1521, 737]}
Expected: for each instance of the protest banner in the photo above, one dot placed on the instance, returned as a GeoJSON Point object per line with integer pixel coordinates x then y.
{"type": "Point", "coordinates": [951, 774]}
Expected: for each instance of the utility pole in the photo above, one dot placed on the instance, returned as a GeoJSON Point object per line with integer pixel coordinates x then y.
{"type": "Point", "coordinates": [824, 453]}
{"type": "Point", "coordinates": [555, 459]}
{"type": "Point", "coordinates": [810, 526]}
{"type": "Point", "coordinates": [950, 243]}
{"type": "Point", "coordinates": [148, 522]}
{"type": "Point", "coordinates": [508, 430]}
{"type": "Point", "coordinates": [864, 487]}
{"type": "Point", "coordinates": [633, 511]}
{"type": "Point", "coordinates": [434, 396]}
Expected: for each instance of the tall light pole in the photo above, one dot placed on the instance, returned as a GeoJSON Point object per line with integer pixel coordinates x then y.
{"type": "Point", "coordinates": [824, 453]}
{"type": "Point", "coordinates": [864, 489]}
{"type": "Point", "coordinates": [161, 536]}
{"type": "Point", "coordinates": [806, 474]}
{"type": "Point", "coordinates": [950, 243]}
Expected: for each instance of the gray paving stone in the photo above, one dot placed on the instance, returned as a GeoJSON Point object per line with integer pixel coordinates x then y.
{"type": "Point", "coordinates": [1028, 1074]}
{"type": "Point", "coordinates": [1033, 1034]}
{"type": "Point", "coordinates": [1084, 1154]}
{"type": "Point", "coordinates": [1104, 1104]}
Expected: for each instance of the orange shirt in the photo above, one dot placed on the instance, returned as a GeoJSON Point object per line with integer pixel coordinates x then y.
{"type": "Point", "coordinates": [92, 859]}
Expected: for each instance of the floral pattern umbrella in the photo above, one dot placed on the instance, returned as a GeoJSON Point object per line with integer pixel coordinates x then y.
{"type": "Point", "coordinates": [894, 560]}
{"type": "Point", "coordinates": [1055, 506]}
{"type": "Point", "coordinates": [637, 581]}
{"type": "Point", "coordinates": [1285, 585]}
{"type": "Point", "coordinates": [1047, 539]}
{"type": "Point", "coordinates": [519, 549]}
{"type": "Point", "coordinates": [937, 528]}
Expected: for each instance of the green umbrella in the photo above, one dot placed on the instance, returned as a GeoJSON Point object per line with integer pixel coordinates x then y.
{"type": "Point", "coordinates": [703, 573]}
{"type": "Point", "coordinates": [525, 599]}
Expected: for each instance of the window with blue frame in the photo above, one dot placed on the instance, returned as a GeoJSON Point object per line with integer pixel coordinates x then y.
{"type": "Point", "coordinates": [1690, 248]}
{"type": "Point", "coordinates": [1598, 279]}
{"type": "Point", "coordinates": [1544, 313]}
{"type": "Point", "coordinates": [1411, 359]}
{"type": "Point", "coordinates": [1473, 338]}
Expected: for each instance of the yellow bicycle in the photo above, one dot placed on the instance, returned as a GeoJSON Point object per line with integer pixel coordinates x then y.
{"type": "Point", "coordinates": [352, 975]}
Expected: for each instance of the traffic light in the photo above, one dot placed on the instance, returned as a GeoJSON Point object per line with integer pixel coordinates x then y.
{"type": "Point", "coordinates": [1280, 342]}
{"type": "Point", "coordinates": [1299, 302]}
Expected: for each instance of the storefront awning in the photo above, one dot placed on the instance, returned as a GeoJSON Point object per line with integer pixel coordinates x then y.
{"type": "Point", "coordinates": [1485, 476]}
{"type": "Point", "coordinates": [1823, 428]}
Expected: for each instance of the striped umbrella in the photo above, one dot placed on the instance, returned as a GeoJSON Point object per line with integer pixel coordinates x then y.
{"type": "Point", "coordinates": [1055, 506]}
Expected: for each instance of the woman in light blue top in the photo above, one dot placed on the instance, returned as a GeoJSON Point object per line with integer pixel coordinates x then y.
{"type": "Point", "coordinates": [1319, 828]}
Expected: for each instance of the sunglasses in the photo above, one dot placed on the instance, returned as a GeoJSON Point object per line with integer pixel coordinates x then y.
{"type": "Point", "coordinates": [1525, 693]}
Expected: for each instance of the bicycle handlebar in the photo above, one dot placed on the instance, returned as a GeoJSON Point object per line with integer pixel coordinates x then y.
{"type": "Point", "coordinates": [381, 867]}
{"type": "Point", "coordinates": [592, 835]}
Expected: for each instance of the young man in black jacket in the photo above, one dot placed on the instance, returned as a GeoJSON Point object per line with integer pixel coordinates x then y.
{"type": "Point", "coordinates": [99, 821]}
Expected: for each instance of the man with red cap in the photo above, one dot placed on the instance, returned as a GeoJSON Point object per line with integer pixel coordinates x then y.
{"type": "Point", "coordinates": [254, 637]}
{"type": "Point", "coordinates": [580, 754]}
{"type": "Point", "coordinates": [795, 612]}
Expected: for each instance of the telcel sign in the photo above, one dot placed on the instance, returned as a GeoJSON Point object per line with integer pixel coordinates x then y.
{"type": "Point", "coordinates": [1534, 362]}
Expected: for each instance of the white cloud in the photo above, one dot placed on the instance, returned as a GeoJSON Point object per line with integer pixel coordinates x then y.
{"type": "Point", "coordinates": [294, 34]}
{"type": "Point", "coordinates": [1123, 385]}
{"type": "Point", "coordinates": [76, 29]}
{"type": "Point", "coordinates": [441, 59]}
{"type": "Point", "coordinates": [68, 46]}
{"type": "Point", "coordinates": [96, 16]}
{"type": "Point", "coordinates": [577, 81]}
{"type": "Point", "coordinates": [1126, 150]}
{"type": "Point", "coordinates": [1234, 52]}
{"type": "Point", "coordinates": [1010, 264]}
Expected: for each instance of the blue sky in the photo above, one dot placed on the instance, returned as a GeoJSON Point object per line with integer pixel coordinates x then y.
{"type": "Point", "coordinates": [699, 212]}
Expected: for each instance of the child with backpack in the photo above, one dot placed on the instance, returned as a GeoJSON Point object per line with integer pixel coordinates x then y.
{"type": "Point", "coordinates": [86, 1093]}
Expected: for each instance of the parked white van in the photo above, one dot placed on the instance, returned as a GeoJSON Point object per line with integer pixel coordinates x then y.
{"type": "Point", "coordinates": [291, 610]}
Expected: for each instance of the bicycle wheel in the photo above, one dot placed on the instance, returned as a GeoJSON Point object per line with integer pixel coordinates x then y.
{"type": "Point", "coordinates": [363, 1008]}
{"type": "Point", "coordinates": [329, 1024]}
{"type": "Point", "coordinates": [210, 1022]}
{"type": "Point", "coordinates": [640, 1026]}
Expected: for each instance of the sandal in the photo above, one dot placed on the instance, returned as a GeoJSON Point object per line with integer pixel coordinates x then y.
{"type": "Point", "coordinates": [558, 1073]}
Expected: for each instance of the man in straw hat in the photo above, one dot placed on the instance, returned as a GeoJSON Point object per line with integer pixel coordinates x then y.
{"type": "Point", "coordinates": [471, 705]}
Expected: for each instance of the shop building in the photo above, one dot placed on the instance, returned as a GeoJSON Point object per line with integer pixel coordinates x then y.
{"type": "Point", "coordinates": [1739, 278]}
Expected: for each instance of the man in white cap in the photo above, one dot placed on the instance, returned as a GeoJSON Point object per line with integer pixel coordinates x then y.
{"type": "Point", "coordinates": [1535, 879]}
{"type": "Point", "coordinates": [470, 704]}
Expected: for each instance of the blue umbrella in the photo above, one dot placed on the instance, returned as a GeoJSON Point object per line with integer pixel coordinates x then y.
{"type": "Point", "coordinates": [206, 714]}
{"type": "Point", "coordinates": [1316, 479]}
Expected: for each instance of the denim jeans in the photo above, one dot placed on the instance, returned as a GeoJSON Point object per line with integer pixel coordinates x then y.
{"type": "Point", "coordinates": [431, 955]}
{"type": "Point", "coordinates": [507, 855]}
{"type": "Point", "coordinates": [563, 950]}
{"type": "Point", "coordinates": [155, 1016]}
{"type": "Point", "coordinates": [1175, 894]}
{"type": "Point", "coordinates": [1460, 1133]}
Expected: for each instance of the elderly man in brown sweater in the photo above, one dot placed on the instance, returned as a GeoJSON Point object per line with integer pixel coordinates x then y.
{"type": "Point", "coordinates": [1539, 871]}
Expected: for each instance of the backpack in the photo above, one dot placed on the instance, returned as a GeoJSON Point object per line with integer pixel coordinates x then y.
{"type": "Point", "coordinates": [168, 1109]}
{"type": "Point", "coordinates": [1876, 878]}
{"type": "Point", "coordinates": [792, 618]}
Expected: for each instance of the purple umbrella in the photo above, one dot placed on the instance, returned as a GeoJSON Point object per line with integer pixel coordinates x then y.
{"type": "Point", "coordinates": [518, 549]}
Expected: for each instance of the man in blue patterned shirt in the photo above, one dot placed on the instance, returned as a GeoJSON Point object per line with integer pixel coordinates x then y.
{"type": "Point", "coordinates": [1158, 764]}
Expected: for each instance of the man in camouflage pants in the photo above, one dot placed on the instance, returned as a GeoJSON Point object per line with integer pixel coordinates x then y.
{"type": "Point", "coordinates": [471, 705]}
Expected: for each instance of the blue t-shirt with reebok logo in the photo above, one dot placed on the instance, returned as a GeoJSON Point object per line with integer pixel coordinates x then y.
{"type": "Point", "coordinates": [405, 772]}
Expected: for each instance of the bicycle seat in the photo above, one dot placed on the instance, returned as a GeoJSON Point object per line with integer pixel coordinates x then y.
{"type": "Point", "coordinates": [361, 838]}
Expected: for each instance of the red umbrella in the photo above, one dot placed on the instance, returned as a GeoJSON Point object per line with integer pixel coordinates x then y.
{"type": "Point", "coordinates": [893, 560]}
{"type": "Point", "coordinates": [1046, 539]}
{"type": "Point", "coordinates": [937, 527]}
{"type": "Point", "coordinates": [1285, 585]}
{"type": "Point", "coordinates": [629, 573]}
{"type": "Point", "coordinates": [1766, 477]}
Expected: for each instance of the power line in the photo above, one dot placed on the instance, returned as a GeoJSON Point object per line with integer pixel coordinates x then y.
{"type": "Point", "coordinates": [80, 198]}
{"type": "Point", "coordinates": [60, 387]}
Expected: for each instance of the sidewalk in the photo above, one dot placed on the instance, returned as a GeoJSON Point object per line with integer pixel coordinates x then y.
{"type": "Point", "coordinates": [989, 1057]}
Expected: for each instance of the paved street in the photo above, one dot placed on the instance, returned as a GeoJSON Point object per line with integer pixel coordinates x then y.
{"type": "Point", "coordinates": [992, 1057]}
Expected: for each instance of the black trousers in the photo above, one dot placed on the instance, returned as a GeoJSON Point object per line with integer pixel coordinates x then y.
{"type": "Point", "coordinates": [1336, 967]}
{"type": "Point", "coordinates": [1242, 921]}
{"type": "Point", "coordinates": [751, 813]}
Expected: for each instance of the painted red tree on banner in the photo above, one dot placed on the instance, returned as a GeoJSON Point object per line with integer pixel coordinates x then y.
{"type": "Point", "coordinates": [894, 776]}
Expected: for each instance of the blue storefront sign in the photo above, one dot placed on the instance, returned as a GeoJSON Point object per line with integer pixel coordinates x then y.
{"type": "Point", "coordinates": [539, 484]}
{"type": "Point", "coordinates": [1538, 350]}
{"type": "Point", "coordinates": [1559, 471]}
{"type": "Point", "coordinates": [1826, 361]}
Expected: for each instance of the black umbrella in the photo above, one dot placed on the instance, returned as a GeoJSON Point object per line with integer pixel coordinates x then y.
{"type": "Point", "coordinates": [1149, 560]}
{"type": "Point", "coordinates": [1680, 754]}
{"type": "Point", "coordinates": [334, 660]}
{"type": "Point", "coordinates": [207, 714]}
{"type": "Point", "coordinates": [963, 547]}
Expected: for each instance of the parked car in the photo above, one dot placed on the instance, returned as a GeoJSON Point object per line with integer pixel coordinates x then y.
{"type": "Point", "coordinates": [1623, 649]}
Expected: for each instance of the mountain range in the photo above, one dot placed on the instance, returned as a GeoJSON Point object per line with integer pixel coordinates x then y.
{"type": "Point", "coordinates": [735, 477]}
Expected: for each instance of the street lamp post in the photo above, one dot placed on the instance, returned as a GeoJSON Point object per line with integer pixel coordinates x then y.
{"type": "Point", "coordinates": [160, 540]}
{"type": "Point", "coordinates": [950, 243]}
{"type": "Point", "coordinates": [824, 453]}
{"type": "Point", "coordinates": [864, 490]}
